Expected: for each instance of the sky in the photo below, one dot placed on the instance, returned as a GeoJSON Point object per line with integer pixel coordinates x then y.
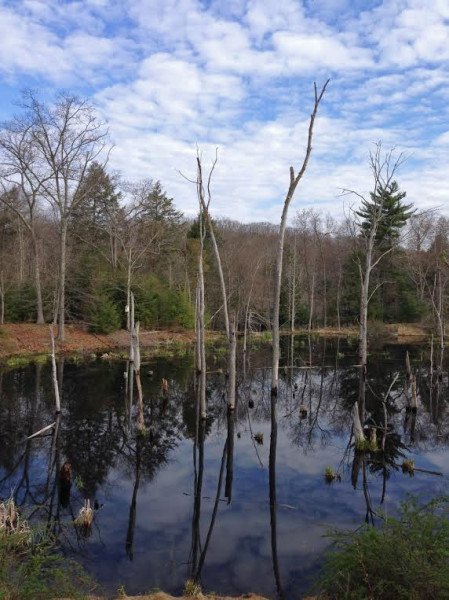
{"type": "Point", "coordinates": [171, 76]}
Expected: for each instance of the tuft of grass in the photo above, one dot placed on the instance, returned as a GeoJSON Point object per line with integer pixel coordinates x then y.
{"type": "Point", "coordinates": [366, 445]}
{"type": "Point", "coordinates": [408, 466]}
{"type": "Point", "coordinates": [258, 437]}
{"type": "Point", "coordinates": [85, 517]}
{"type": "Point", "coordinates": [30, 567]}
{"type": "Point", "coordinates": [192, 588]}
{"type": "Point", "coordinates": [329, 475]}
{"type": "Point", "coordinates": [406, 558]}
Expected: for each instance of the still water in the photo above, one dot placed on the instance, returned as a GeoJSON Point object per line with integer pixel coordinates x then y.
{"type": "Point", "coordinates": [239, 502]}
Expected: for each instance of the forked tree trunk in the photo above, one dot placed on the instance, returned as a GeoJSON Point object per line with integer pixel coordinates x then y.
{"type": "Point", "coordinates": [294, 180]}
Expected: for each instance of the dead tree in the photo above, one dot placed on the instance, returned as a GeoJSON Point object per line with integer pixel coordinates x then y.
{"type": "Point", "coordinates": [383, 168]}
{"type": "Point", "coordinates": [294, 180]}
{"type": "Point", "coordinates": [134, 357]}
{"type": "Point", "coordinates": [204, 198]}
{"type": "Point", "coordinates": [200, 324]}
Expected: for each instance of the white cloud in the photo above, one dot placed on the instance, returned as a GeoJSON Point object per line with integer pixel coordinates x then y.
{"type": "Point", "coordinates": [171, 75]}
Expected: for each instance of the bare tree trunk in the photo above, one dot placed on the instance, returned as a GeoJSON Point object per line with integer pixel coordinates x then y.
{"type": "Point", "coordinates": [324, 295]}
{"type": "Point", "coordinates": [62, 272]}
{"type": "Point", "coordinates": [201, 325]}
{"type": "Point", "coordinates": [2, 299]}
{"type": "Point", "coordinates": [129, 321]}
{"type": "Point", "coordinates": [131, 327]}
{"type": "Point", "coordinates": [357, 425]}
{"type": "Point", "coordinates": [312, 301]}
{"type": "Point", "coordinates": [54, 372]}
{"type": "Point", "coordinates": [247, 310]}
{"type": "Point", "coordinates": [205, 208]}
{"type": "Point", "coordinates": [363, 342]}
{"type": "Point", "coordinates": [294, 180]}
{"type": "Point", "coordinates": [21, 248]}
{"type": "Point", "coordinates": [293, 295]}
{"type": "Point", "coordinates": [37, 281]}
{"type": "Point", "coordinates": [231, 365]}
{"type": "Point", "coordinates": [339, 297]}
{"type": "Point", "coordinates": [136, 355]}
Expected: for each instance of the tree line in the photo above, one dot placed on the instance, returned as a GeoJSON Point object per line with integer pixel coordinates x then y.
{"type": "Point", "coordinates": [76, 240]}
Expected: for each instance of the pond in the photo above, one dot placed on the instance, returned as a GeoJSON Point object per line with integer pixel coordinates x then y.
{"type": "Point", "coordinates": [239, 501]}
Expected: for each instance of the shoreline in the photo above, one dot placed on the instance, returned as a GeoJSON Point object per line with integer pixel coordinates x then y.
{"type": "Point", "coordinates": [28, 341]}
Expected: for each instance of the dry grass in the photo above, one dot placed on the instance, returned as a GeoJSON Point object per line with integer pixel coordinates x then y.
{"type": "Point", "coordinates": [11, 522]}
{"type": "Point", "coordinates": [85, 516]}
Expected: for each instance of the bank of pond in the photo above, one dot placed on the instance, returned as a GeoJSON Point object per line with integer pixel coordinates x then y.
{"type": "Point", "coordinates": [243, 500]}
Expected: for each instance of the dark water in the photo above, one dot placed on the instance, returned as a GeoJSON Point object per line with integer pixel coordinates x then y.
{"type": "Point", "coordinates": [208, 499]}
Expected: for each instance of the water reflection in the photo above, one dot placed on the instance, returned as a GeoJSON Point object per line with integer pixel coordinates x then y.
{"type": "Point", "coordinates": [189, 498]}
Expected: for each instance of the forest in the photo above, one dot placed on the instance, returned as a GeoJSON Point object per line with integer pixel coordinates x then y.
{"type": "Point", "coordinates": [76, 240]}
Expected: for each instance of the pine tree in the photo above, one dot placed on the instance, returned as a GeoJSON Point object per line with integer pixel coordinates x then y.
{"type": "Point", "coordinates": [158, 207]}
{"type": "Point", "coordinates": [386, 201]}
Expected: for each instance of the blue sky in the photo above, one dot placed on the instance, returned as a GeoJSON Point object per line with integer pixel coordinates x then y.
{"type": "Point", "coordinates": [170, 75]}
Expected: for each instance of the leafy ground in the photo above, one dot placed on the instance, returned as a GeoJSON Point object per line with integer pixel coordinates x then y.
{"type": "Point", "coordinates": [27, 339]}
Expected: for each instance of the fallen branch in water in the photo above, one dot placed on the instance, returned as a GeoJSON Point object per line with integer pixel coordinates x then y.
{"type": "Point", "coordinates": [40, 431]}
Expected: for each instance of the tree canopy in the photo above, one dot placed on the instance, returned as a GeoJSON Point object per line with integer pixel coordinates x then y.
{"type": "Point", "coordinates": [391, 213]}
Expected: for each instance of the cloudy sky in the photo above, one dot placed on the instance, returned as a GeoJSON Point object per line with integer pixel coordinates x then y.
{"type": "Point", "coordinates": [238, 75]}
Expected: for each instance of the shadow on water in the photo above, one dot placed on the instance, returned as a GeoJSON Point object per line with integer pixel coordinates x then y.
{"type": "Point", "coordinates": [209, 500]}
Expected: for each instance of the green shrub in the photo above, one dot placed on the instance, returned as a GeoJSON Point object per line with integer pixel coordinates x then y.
{"type": "Point", "coordinates": [20, 304]}
{"type": "Point", "coordinates": [104, 316]}
{"type": "Point", "coordinates": [159, 306]}
{"type": "Point", "coordinates": [406, 558]}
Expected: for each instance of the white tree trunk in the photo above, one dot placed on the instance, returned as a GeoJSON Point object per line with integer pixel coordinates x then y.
{"type": "Point", "coordinates": [232, 365]}
{"type": "Point", "coordinates": [294, 180]}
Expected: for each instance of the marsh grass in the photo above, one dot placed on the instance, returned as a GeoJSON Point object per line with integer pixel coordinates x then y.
{"type": "Point", "coordinates": [406, 558]}
{"type": "Point", "coordinates": [30, 566]}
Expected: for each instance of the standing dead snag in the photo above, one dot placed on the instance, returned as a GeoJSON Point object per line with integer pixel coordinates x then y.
{"type": "Point", "coordinates": [205, 196]}
{"type": "Point", "coordinates": [204, 199]}
{"type": "Point", "coordinates": [383, 167]}
{"type": "Point", "coordinates": [231, 365]}
{"type": "Point", "coordinates": [54, 373]}
{"type": "Point", "coordinates": [134, 359]}
{"type": "Point", "coordinates": [294, 180]}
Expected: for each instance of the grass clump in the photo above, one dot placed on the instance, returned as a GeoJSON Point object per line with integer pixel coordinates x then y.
{"type": "Point", "coordinates": [406, 558]}
{"type": "Point", "coordinates": [192, 588]}
{"type": "Point", "coordinates": [258, 437]}
{"type": "Point", "coordinates": [366, 445]}
{"type": "Point", "coordinates": [30, 568]}
{"type": "Point", "coordinates": [329, 475]}
{"type": "Point", "coordinates": [408, 466]}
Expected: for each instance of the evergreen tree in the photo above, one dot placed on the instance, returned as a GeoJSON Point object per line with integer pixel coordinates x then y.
{"type": "Point", "coordinates": [386, 206]}
{"type": "Point", "coordinates": [100, 199]}
{"type": "Point", "coordinates": [158, 207]}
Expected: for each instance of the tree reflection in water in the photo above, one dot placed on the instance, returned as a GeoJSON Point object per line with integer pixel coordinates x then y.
{"type": "Point", "coordinates": [96, 435]}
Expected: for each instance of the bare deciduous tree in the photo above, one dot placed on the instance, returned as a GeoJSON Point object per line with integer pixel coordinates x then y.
{"type": "Point", "coordinates": [50, 149]}
{"type": "Point", "coordinates": [383, 168]}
